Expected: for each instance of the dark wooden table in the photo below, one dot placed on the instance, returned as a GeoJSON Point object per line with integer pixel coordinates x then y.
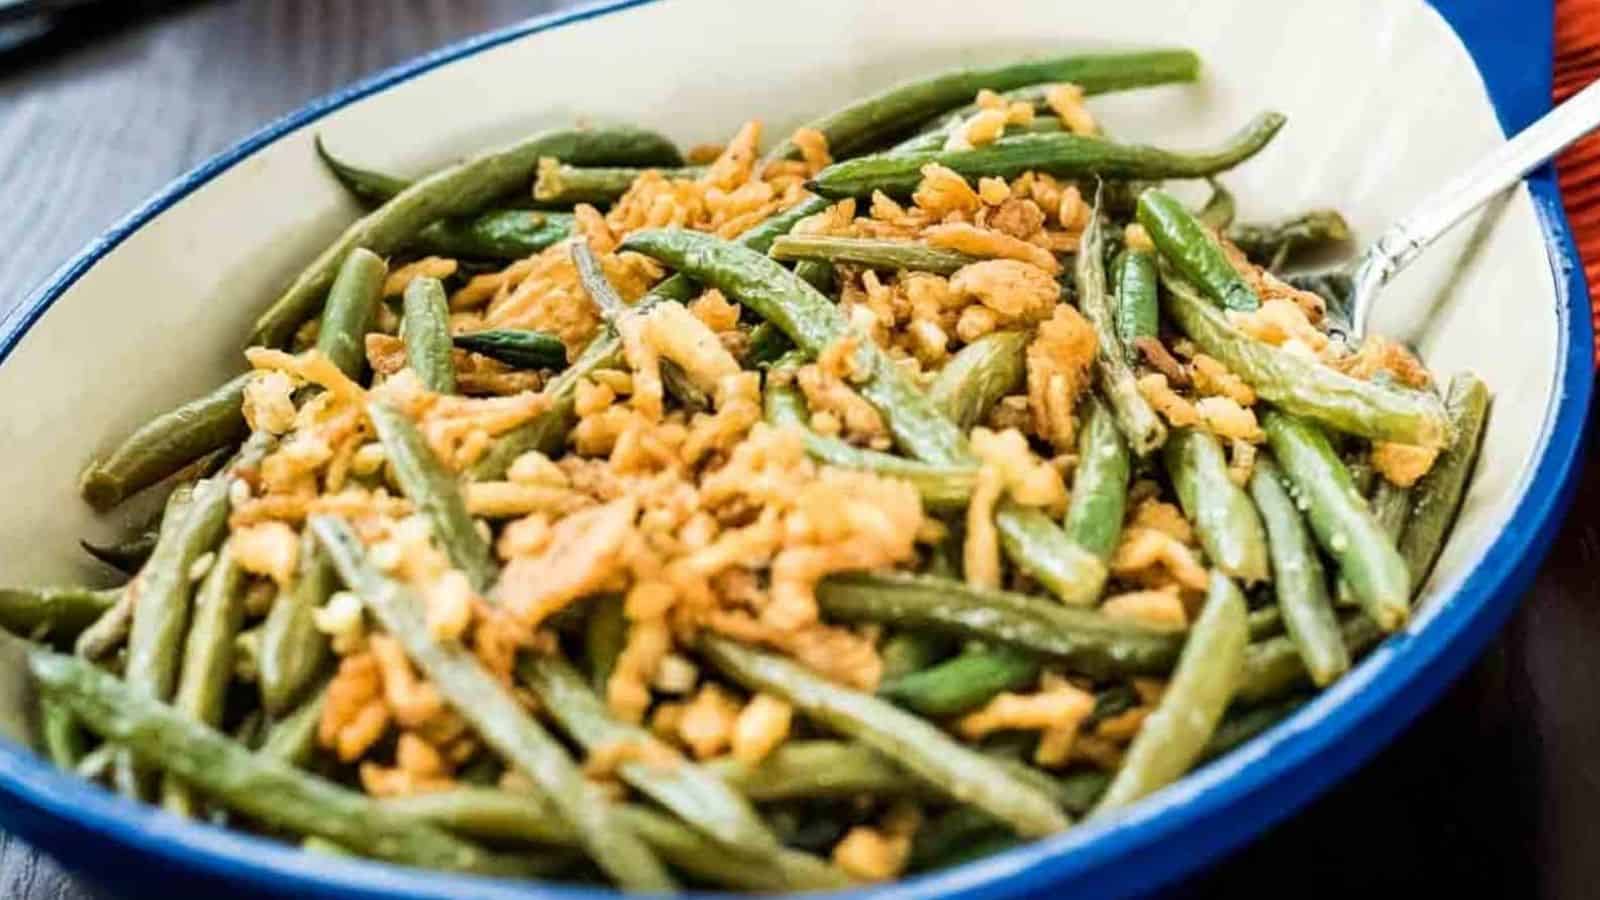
{"type": "Point", "coordinates": [1496, 792]}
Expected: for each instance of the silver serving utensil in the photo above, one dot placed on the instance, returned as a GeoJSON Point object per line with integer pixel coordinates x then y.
{"type": "Point", "coordinates": [1405, 240]}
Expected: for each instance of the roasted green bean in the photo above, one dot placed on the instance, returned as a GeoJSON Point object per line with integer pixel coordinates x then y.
{"type": "Point", "coordinates": [207, 660]}
{"type": "Point", "coordinates": [973, 380]}
{"type": "Point", "coordinates": [458, 190]}
{"type": "Point", "coordinates": [1139, 423]}
{"type": "Point", "coordinates": [871, 120]}
{"type": "Point", "coordinates": [875, 253]}
{"type": "Point", "coordinates": [566, 185]}
{"type": "Point", "coordinates": [1227, 522]}
{"type": "Point", "coordinates": [1298, 581]}
{"type": "Point", "coordinates": [516, 347]}
{"type": "Point", "coordinates": [293, 652]}
{"type": "Point", "coordinates": [689, 791]}
{"type": "Point", "coordinates": [352, 302]}
{"type": "Point", "coordinates": [1081, 640]}
{"type": "Point", "coordinates": [434, 491]}
{"type": "Point", "coordinates": [964, 775]}
{"type": "Point", "coordinates": [425, 328]}
{"type": "Point", "coordinates": [267, 790]}
{"type": "Point", "coordinates": [166, 444]}
{"type": "Point", "coordinates": [1304, 387]}
{"type": "Point", "coordinates": [495, 714]}
{"type": "Point", "coordinates": [1208, 673]}
{"type": "Point", "coordinates": [1063, 154]}
{"type": "Point", "coordinates": [1193, 252]}
{"type": "Point", "coordinates": [1341, 519]}
{"type": "Point", "coordinates": [1437, 497]}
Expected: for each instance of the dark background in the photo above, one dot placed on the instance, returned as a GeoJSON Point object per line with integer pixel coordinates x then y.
{"type": "Point", "coordinates": [1496, 792]}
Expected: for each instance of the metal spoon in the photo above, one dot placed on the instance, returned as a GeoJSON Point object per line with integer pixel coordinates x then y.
{"type": "Point", "coordinates": [1405, 240]}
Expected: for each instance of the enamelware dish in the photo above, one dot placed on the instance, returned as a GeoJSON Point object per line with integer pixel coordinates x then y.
{"type": "Point", "coordinates": [1384, 97]}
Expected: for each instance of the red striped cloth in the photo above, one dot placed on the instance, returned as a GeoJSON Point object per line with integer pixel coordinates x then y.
{"type": "Point", "coordinates": [1578, 169]}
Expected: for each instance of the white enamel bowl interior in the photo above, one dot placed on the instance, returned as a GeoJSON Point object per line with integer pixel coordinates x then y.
{"type": "Point", "coordinates": [1382, 102]}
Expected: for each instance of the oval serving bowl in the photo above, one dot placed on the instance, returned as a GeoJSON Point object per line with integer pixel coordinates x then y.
{"type": "Point", "coordinates": [1382, 97]}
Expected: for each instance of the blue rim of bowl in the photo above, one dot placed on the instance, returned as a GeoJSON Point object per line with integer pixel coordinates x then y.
{"type": "Point", "coordinates": [1167, 835]}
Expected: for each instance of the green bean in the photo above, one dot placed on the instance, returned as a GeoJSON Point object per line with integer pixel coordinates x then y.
{"type": "Point", "coordinates": [1139, 423]}
{"type": "Point", "coordinates": [1439, 494]}
{"type": "Point", "coordinates": [1218, 212]}
{"type": "Point", "coordinates": [494, 713]}
{"type": "Point", "coordinates": [57, 614]}
{"type": "Point", "coordinates": [207, 661]}
{"type": "Point", "coordinates": [490, 814]}
{"type": "Point", "coordinates": [1100, 485]}
{"type": "Point", "coordinates": [1137, 309]}
{"type": "Point", "coordinates": [940, 487]}
{"type": "Point", "coordinates": [687, 790]}
{"type": "Point", "coordinates": [293, 651]}
{"type": "Point", "coordinates": [1273, 667]}
{"type": "Point", "coordinates": [1224, 518]}
{"type": "Point", "coordinates": [604, 635]}
{"type": "Point", "coordinates": [293, 738]}
{"type": "Point", "coordinates": [813, 323]}
{"type": "Point", "coordinates": [964, 775]}
{"type": "Point", "coordinates": [1242, 725]}
{"type": "Point", "coordinates": [269, 791]}
{"type": "Point", "coordinates": [1063, 154]}
{"type": "Point", "coordinates": [166, 444]}
{"type": "Point", "coordinates": [871, 120]}
{"type": "Point", "coordinates": [1298, 581]}
{"type": "Point", "coordinates": [62, 738]}
{"type": "Point", "coordinates": [110, 630]}
{"type": "Point", "coordinates": [1193, 252]}
{"type": "Point", "coordinates": [125, 555]}
{"type": "Point", "coordinates": [503, 234]}
{"type": "Point", "coordinates": [939, 841]}
{"type": "Point", "coordinates": [165, 591]}
{"type": "Point", "coordinates": [1082, 640]}
{"type": "Point", "coordinates": [364, 184]}
{"type": "Point", "coordinates": [1272, 243]}
{"type": "Point", "coordinates": [1043, 551]}
{"type": "Point", "coordinates": [1267, 621]}
{"type": "Point", "coordinates": [1305, 387]}
{"type": "Point", "coordinates": [1208, 673]}
{"type": "Point", "coordinates": [516, 347]}
{"type": "Point", "coordinates": [1391, 506]}
{"type": "Point", "coordinates": [501, 815]}
{"type": "Point", "coordinates": [547, 432]}
{"type": "Point", "coordinates": [905, 652]}
{"type": "Point", "coordinates": [875, 253]}
{"type": "Point", "coordinates": [970, 384]}
{"type": "Point", "coordinates": [565, 185]}
{"type": "Point", "coordinates": [347, 317]}
{"type": "Point", "coordinates": [457, 190]}
{"type": "Point", "coordinates": [435, 493]}
{"type": "Point", "coordinates": [425, 328]}
{"type": "Point", "coordinates": [811, 769]}
{"type": "Point", "coordinates": [1340, 519]}
{"type": "Point", "coordinates": [964, 683]}
{"type": "Point", "coordinates": [767, 345]}
{"type": "Point", "coordinates": [817, 273]}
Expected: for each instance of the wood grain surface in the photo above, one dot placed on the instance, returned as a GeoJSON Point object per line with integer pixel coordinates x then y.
{"type": "Point", "coordinates": [1496, 792]}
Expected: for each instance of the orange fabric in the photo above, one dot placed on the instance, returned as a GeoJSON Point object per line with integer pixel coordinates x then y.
{"type": "Point", "coordinates": [1578, 169]}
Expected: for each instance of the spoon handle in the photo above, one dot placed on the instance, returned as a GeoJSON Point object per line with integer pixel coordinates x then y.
{"type": "Point", "coordinates": [1403, 241]}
